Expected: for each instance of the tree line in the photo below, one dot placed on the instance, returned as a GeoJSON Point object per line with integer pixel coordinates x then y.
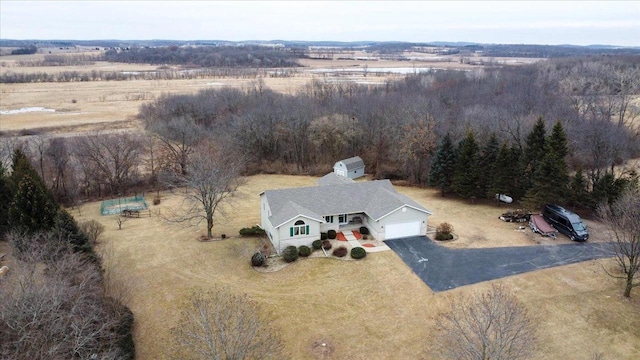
{"type": "Point", "coordinates": [245, 56]}
{"type": "Point", "coordinates": [55, 303]}
{"type": "Point", "coordinates": [11, 77]}
{"type": "Point", "coordinates": [397, 128]}
{"type": "Point", "coordinates": [537, 174]}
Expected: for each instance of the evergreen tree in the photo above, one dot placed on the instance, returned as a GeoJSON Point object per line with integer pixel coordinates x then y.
{"type": "Point", "coordinates": [67, 227]}
{"type": "Point", "coordinates": [549, 182]}
{"type": "Point", "coordinates": [578, 189]}
{"type": "Point", "coordinates": [21, 165]}
{"type": "Point", "coordinates": [551, 179]}
{"type": "Point", "coordinates": [505, 172]}
{"type": "Point", "coordinates": [558, 140]}
{"type": "Point", "coordinates": [31, 209]}
{"type": "Point", "coordinates": [488, 167]}
{"type": "Point", "coordinates": [6, 196]}
{"type": "Point", "coordinates": [443, 166]}
{"type": "Point", "coordinates": [605, 189]}
{"type": "Point", "coordinates": [533, 154]}
{"type": "Point", "coordinates": [466, 175]}
{"type": "Point", "coordinates": [515, 170]}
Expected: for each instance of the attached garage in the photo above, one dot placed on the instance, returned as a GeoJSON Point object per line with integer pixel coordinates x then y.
{"type": "Point", "coordinates": [393, 231]}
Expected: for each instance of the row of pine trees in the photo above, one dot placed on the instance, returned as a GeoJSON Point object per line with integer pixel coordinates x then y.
{"type": "Point", "coordinates": [535, 174]}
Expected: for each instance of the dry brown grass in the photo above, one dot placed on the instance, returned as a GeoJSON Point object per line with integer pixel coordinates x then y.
{"type": "Point", "coordinates": [110, 101]}
{"type": "Point", "coordinates": [371, 309]}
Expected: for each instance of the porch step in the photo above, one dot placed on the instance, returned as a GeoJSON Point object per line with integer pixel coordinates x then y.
{"type": "Point", "coordinates": [349, 236]}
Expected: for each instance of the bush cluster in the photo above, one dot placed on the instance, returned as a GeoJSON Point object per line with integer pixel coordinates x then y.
{"type": "Point", "coordinates": [331, 234]}
{"type": "Point", "coordinates": [304, 250]}
{"type": "Point", "coordinates": [317, 245]}
{"type": "Point", "coordinates": [340, 252]}
{"type": "Point", "coordinates": [326, 244]}
{"type": "Point", "coordinates": [290, 254]}
{"type": "Point", "coordinates": [323, 236]}
{"type": "Point", "coordinates": [258, 259]}
{"type": "Point", "coordinates": [364, 230]}
{"type": "Point", "coordinates": [358, 253]}
{"type": "Point", "coordinates": [444, 231]}
{"type": "Point", "coordinates": [443, 237]}
{"type": "Point", "coordinates": [252, 231]}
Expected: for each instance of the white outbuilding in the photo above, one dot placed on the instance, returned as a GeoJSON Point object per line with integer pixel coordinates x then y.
{"type": "Point", "coordinates": [351, 168]}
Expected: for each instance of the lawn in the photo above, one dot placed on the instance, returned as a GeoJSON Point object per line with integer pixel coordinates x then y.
{"type": "Point", "coordinates": [370, 309]}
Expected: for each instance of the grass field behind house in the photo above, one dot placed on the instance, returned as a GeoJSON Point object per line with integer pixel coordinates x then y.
{"type": "Point", "coordinates": [371, 309]}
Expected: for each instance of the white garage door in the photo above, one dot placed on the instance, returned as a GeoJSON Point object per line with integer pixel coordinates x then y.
{"type": "Point", "coordinates": [392, 231]}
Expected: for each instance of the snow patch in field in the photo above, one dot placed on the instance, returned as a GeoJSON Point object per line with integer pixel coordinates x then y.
{"type": "Point", "coordinates": [26, 110]}
{"type": "Point", "coordinates": [215, 84]}
{"type": "Point", "coordinates": [401, 70]}
{"type": "Point", "coordinates": [356, 81]}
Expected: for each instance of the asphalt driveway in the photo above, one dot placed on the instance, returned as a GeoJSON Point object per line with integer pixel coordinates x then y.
{"type": "Point", "coordinates": [442, 268]}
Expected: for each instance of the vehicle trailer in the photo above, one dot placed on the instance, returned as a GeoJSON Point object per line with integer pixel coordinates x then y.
{"type": "Point", "coordinates": [540, 226]}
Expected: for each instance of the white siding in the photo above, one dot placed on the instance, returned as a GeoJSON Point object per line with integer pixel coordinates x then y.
{"type": "Point", "coordinates": [399, 217]}
{"type": "Point", "coordinates": [266, 224]}
{"type": "Point", "coordinates": [283, 233]}
{"type": "Point", "coordinates": [354, 174]}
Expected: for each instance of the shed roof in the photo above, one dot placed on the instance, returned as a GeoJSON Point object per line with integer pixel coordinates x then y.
{"type": "Point", "coordinates": [377, 199]}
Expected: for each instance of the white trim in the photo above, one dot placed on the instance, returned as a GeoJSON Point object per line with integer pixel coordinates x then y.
{"type": "Point", "coordinates": [297, 216]}
{"type": "Point", "coordinates": [400, 207]}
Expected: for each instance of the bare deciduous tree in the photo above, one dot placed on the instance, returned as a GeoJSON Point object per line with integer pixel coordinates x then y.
{"type": "Point", "coordinates": [8, 145]}
{"type": "Point", "coordinates": [623, 221]}
{"type": "Point", "coordinates": [58, 157]}
{"type": "Point", "coordinates": [488, 326]}
{"type": "Point", "coordinates": [93, 229]}
{"type": "Point", "coordinates": [113, 158]}
{"type": "Point", "coordinates": [218, 324]}
{"type": "Point", "coordinates": [417, 147]}
{"type": "Point", "coordinates": [120, 220]}
{"type": "Point", "coordinates": [213, 176]}
{"type": "Point", "coordinates": [179, 137]}
{"type": "Point", "coordinates": [53, 306]}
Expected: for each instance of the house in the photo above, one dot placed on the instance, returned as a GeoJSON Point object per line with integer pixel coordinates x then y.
{"type": "Point", "coordinates": [297, 216]}
{"type": "Point", "coordinates": [352, 167]}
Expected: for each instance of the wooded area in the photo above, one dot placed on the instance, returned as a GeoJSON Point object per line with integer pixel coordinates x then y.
{"type": "Point", "coordinates": [534, 132]}
{"type": "Point", "coordinates": [497, 120]}
{"type": "Point", "coordinates": [57, 305]}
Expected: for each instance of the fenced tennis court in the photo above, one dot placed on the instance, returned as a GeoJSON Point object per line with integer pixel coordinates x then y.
{"type": "Point", "coordinates": [117, 206]}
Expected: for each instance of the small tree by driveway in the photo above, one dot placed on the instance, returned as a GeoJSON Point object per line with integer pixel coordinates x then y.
{"type": "Point", "coordinates": [488, 326]}
{"type": "Point", "coordinates": [623, 221]}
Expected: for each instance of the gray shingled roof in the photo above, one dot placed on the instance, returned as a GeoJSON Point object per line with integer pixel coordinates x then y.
{"type": "Point", "coordinates": [353, 163]}
{"type": "Point", "coordinates": [374, 198]}
{"type": "Point", "coordinates": [333, 179]}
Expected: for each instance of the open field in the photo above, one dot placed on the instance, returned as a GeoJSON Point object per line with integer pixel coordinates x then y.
{"type": "Point", "coordinates": [83, 106]}
{"type": "Point", "coordinates": [371, 309]}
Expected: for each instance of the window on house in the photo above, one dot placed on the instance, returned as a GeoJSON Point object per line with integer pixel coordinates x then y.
{"type": "Point", "coordinates": [329, 219]}
{"type": "Point", "coordinates": [343, 219]}
{"type": "Point", "coordinates": [299, 228]}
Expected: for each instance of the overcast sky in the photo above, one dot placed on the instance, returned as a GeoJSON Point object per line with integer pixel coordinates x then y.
{"type": "Point", "coordinates": [513, 22]}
